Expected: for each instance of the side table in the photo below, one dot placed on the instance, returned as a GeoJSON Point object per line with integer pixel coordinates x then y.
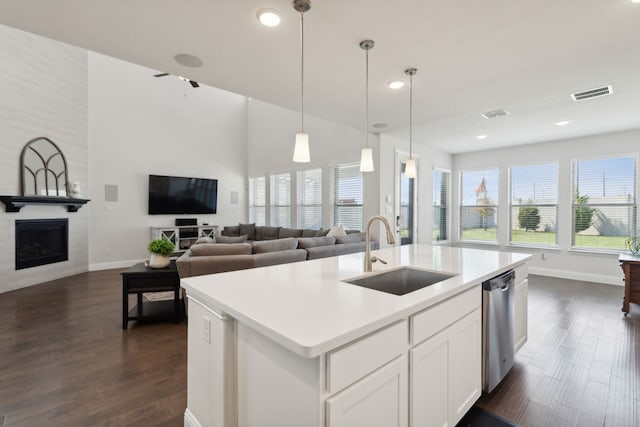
{"type": "Point", "coordinates": [139, 279]}
{"type": "Point", "coordinates": [631, 268]}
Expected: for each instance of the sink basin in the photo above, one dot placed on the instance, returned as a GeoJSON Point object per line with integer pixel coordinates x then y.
{"type": "Point", "coordinates": [400, 281]}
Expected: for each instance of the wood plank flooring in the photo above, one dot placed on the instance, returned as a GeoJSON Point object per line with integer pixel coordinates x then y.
{"type": "Point", "coordinates": [65, 361]}
{"type": "Point", "coordinates": [579, 367]}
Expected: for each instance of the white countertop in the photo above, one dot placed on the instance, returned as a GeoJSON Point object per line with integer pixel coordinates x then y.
{"type": "Point", "coordinates": [306, 307]}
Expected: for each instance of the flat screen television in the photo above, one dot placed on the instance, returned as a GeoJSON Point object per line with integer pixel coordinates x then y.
{"type": "Point", "coordinates": [181, 195]}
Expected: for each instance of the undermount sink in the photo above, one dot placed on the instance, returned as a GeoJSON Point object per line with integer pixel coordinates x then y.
{"type": "Point", "coordinates": [400, 281]}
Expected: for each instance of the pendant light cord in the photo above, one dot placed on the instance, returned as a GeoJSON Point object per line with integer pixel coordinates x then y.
{"type": "Point", "coordinates": [366, 122]}
{"type": "Point", "coordinates": [302, 71]}
{"type": "Point", "coordinates": [411, 116]}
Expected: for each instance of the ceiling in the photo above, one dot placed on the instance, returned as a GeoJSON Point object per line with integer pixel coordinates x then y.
{"type": "Point", "coordinates": [471, 56]}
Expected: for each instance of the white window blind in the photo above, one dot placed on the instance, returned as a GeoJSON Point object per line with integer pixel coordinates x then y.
{"type": "Point", "coordinates": [603, 202]}
{"type": "Point", "coordinates": [258, 200]}
{"type": "Point", "coordinates": [280, 202]}
{"type": "Point", "coordinates": [347, 189]}
{"type": "Point", "coordinates": [533, 204]}
{"type": "Point", "coordinates": [479, 205]}
{"type": "Point", "coordinates": [440, 193]}
{"type": "Point", "coordinates": [309, 207]}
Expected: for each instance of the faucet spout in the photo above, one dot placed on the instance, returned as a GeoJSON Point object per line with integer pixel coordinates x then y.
{"type": "Point", "coordinates": [390, 239]}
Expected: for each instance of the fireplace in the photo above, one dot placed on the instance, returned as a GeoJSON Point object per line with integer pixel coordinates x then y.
{"type": "Point", "coordinates": [41, 241]}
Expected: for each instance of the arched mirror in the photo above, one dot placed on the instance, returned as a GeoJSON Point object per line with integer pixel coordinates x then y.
{"type": "Point", "coordinates": [43, 169]}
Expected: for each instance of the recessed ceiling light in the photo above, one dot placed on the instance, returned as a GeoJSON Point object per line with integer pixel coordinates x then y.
{"type": "Point", "coordinates": [268, 17]}
{"type": "Point", "coordinates": [188, 60]}
{"type": "Point", "coordinates": [565, 122]}
{"type": "Point", "coordinates": [634, 1]}
{"type": "Point", "coordinates": [380, 125]}
{"type": "Point", "coordinates": [396, 84]}
{"type": "Point", "coordinates": [482, 136]}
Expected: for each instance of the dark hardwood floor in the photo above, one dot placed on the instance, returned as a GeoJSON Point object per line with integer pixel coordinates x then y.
{"type": "Point", "coordinates": [580, 365]}
{"type": "Point", "coordinates": [65, 360]}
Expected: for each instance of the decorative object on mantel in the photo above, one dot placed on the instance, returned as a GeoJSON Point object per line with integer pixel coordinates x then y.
{"type": "Point", "coordinates": [161, 250]}
{"type": "Point", "coordinates": [301, 149]}
{"type": "Point", "coordinates": [410, 168]}
{"type": "Point", "coordinates": [44, 178]}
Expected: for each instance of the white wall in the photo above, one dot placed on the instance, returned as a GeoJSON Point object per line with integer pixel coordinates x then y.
{"type": "Point", "coordinates": [141, 125]}
{"type": "Point", "coordinates": [43, 92]}
{"type": "Point", "coordinates": [561, 262]}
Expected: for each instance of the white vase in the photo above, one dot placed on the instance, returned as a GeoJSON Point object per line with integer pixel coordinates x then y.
{"type": "Point", "coordinates": [159, 261]}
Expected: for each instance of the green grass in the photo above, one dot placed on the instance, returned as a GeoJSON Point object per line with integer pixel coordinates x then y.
{"type": "Point", "coordinates": [546, 238]}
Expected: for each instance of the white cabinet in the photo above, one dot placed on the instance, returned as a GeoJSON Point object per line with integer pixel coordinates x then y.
{"type": "Point", "coordinates": [183, 236]}
{"type": "Point", "coordinates": [521, 310]}
{"type": "Point", "coordinates": [378, 400]}
{"type": "Point", "coordinates": [446, 374]}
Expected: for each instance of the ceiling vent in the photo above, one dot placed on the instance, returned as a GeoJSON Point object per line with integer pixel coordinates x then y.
{"type": "Point", "coordinates": [495, 113]}
{"type": "Point", "coordinates": [592, 93]}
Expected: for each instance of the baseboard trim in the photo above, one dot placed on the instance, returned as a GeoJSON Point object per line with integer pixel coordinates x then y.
{"type": "Point", "coordinates": [573, 275]}
{"type": "Point", "coordinates": [112, 265]}
{"type": "Point", "coordinates": [190, 420]}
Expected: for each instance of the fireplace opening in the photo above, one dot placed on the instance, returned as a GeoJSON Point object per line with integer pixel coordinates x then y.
{"type": "Point", "coordinates": [41, 241]}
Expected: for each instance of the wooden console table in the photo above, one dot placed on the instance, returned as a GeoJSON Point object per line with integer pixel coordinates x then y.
{"type": "Point", "coordinates": [631, 268]}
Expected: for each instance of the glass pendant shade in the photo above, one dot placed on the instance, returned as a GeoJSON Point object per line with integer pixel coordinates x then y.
{"type": "Point", "coordinates": [301, 149]}
{"type": "Point", "coordinates": [410, 169]}
{"type": "Point", "coordinates": [366, 160]}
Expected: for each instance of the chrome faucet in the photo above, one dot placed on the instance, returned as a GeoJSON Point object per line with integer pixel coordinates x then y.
{"type": "Point", "coordinates": [368, 261]}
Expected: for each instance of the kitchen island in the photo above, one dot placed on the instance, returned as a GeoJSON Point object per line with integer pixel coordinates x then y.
{"type": "Point", "coordinates": [294, 345]}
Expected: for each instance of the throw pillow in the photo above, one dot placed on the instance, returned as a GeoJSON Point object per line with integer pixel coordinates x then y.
{"type": "Point", "coordinates": [337, 230]}
{"type": "Point", "coordinates": [209, 249]}
{"type": "Point", "coordinates": [231, 231]}
{"type": "Point", "coordinates": [312, 242]}
{"type": "Point", "coordinates": [322, 233]}
{"type": "Point", "coordinates": [309, 233]}
{"type": "Point", "coordinates": [249, 230]}
{"type": "Point", "coordinates": [235, 239]}
{"type": "Point", "coordinates": [274, 245]}
{"type": "Point", "coordinates": [351, 238]}
{"type": "Point", "coordinates": [204, 240]}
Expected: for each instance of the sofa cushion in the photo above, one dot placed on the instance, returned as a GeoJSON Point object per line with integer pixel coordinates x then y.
{"type": "Point", "coordinates": [309, 233]}
{"type": "Point", "coordinates": [280, 257]}
{"type": "Point", "coordinates": [249, 230]}
{"type": "Point", "coordinates": [337, 230]}
{"type": "Point", "coordinates": [289, 232]}
{"type": "Point", "coordinates": [208, 249]}
{"type": "Point", "coordinates": [352, 231]}
{"type": "Point", "coordinates": [274, 245]}
{"type": "Point", "coordinates": [227, 239]}
{"type": "Point", "coordinates": [322, 233]}
{"type": "Point", "coordinates": [312, 242]}
{"type": "Point", "coordinates": [267, 233]}
{"type": "Point", "coordinates": [231, 230]}
{"type": "Point", "coordinates": [204, 240]}
{"type": "Point", "coordinates": [351, 238]}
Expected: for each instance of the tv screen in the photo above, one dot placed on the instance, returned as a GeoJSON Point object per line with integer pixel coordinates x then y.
{"type": "Point", "coordinates": [181, 195]}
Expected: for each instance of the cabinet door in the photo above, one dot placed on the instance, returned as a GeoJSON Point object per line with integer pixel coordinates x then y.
{"type": "Point", "coordinates": [521, 314]}
{"type": "Point", "coordinates": [429, 382]}
{"type": "Point", "coordinates": [378, 400]}
{"type": "Point", "coordinates": [465, 364]}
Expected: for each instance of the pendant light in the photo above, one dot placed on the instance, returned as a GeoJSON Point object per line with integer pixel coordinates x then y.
{"type": "Point", "coordinates": [410, 166]}
{"type": "Point", "coordinates": [301, 149]}
{"type": "Point", "coordinates": [366, 156]}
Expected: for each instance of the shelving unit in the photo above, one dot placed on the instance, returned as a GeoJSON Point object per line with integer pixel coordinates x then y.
{"type": "Point", "coordinates": [183, 236]}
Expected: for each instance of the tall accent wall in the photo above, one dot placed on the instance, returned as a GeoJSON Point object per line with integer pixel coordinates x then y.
{"type": "Point", "coordinates": [141, 125]}
{"type": "Point", "coordinates": [43, 92]}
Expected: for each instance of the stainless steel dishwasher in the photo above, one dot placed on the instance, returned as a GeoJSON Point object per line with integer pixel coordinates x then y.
{"type": "Point", "coordinates": [497, 328]}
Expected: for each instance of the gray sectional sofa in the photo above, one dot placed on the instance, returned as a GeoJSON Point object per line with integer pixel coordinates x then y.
{"type": "Point", "coordinates": [269, 246]}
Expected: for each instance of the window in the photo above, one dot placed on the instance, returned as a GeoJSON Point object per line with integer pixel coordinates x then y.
{"type": "Point", "coordinates": [479, 205]}
{"type": "Point", "coordinates": [603, 202]}
{"type": "Point", "coordinates": [280, 200]}
{"type": "Point", "coordinates": [533, 199]}
{"type": "Point", "coordinates": [440, 205]}
{"type": "Point", "coordinates": [310, 199]}
{"type": "Point", "coordinates": [257, 201]}
{"type": "Point", "coordinates": [347, 195]}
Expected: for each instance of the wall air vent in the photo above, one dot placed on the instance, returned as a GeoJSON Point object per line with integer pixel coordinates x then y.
{"type": "Point", "coordinates": [592, 93]}
{"type": "Point", "coordinates": [495, 113]}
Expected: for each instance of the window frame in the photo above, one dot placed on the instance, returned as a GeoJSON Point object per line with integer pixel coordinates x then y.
{"type": "Point", "coordinates": [300, 205]}
{"type": "Point", "coordinates": [334, 192]}
{"type": "Point", "coordinates": [446, 206]}
{"type": "Point", "coordinates": [495, 206]}
{"type": "Point", "coordinates": [252, 197]}
{"type": "Point", "coordinates": [272, 205]}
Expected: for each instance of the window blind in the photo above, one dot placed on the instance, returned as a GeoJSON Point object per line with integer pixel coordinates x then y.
{"type": "Point", "coordinates": [309, 209]}
{"type": "Point", "coordinates": [280, 201]}
{"type": "Point", "coordinates": [257, 200]}
{"type": "Point", "coordinates": [347, 189]}
{"type": "Point", "coordinates": [533, 204]}
{"type": "Point", "coordinates": [479, 205]}
{"type": "Point", "coordinates": [603, 202]}
{"type": "Point", "coordinates": [440, 226]}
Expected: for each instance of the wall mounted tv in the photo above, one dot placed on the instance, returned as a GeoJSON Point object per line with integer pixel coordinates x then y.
{"type": "Point", "coordinates": [181, 195]}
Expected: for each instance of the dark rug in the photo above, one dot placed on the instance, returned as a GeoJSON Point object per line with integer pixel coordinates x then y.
{"type": "Point", "coordinates": [478, 417]}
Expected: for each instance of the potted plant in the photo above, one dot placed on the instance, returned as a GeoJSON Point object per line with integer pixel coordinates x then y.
{"type": "Point", "coordinates": [161, 250]}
